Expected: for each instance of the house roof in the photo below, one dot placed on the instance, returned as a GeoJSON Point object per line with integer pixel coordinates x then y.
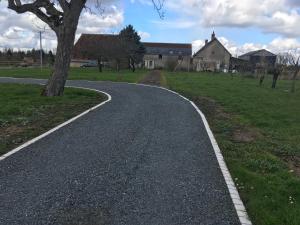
{"type": "Point", "coordinates": [209, 43]}
{"type": "Point", "coordinates": [176, 49]}
{"type": "Point", "coordinates": [87, 42]}
{"type": "Point", "coordinates": [261, 52]}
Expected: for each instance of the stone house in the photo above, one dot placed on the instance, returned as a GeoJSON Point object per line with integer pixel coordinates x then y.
{"type": "Point", "coordinates": [259, 57]}
{"type": "Point", "coordinates": [171, 56]}
{"type": "Point", "coordinates": [213, 56]}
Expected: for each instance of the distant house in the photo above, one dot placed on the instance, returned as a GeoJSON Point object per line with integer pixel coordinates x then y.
{"type": "Point", "coordinates": [172, 56]}
{"type": "Point", "coordinates": [93, 47]}
{"type": "Point", "coordinates": [258, 57]}
{"type": "Point", "coordinates": [213, 56]}
{"type": "Point", "coordinates": [107, 48]}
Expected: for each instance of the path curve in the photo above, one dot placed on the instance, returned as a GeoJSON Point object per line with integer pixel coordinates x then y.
{"type": "Point", "coordinates": [143, 158]}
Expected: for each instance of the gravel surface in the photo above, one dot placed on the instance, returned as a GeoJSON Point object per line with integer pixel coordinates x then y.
{"type": "Point", "coordinates": [143, 158]}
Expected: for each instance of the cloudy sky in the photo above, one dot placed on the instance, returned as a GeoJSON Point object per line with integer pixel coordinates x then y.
{"type": "Point", "coordinates": [240, 25]}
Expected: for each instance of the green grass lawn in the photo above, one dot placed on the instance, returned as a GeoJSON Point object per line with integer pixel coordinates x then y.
{"type": "Point", "coordinates": [258, 130]}
{"type": "Point", "coordinates": [25, 114]}
{"type": "Point", "coordinates": [76, 74]}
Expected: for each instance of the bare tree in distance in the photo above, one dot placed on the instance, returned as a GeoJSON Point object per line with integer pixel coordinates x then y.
{"type": "Point", "coordinates": [280, 66]}
{"type": "Point", "coordinates": [62, 16]}
{"type": "Point", "coordinates": [294, 62]}
{"type": "Point", "coordinates": [261, 69]}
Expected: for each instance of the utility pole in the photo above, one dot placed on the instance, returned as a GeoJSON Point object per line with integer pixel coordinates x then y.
{"type": "Point", "coordinates": [41, 50]}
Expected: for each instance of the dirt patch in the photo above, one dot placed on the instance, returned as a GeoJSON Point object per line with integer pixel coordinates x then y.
{"type": "Point", "coordinates": [9, 130]}
{"type": "Point", "coordinates": [294, 164]}
{"type": "Point", "coordinates": [245, 135]}
{"type": "Point", "coordinates": [214, 111]}
{"type": "Point", "coordinates": [211, 108]}
{"type": "Point", "coordinates": [152, 78]}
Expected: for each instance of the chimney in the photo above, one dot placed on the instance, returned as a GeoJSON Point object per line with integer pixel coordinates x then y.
{"type": "Point", "coordinates": [213, 35]}
{"type": "Point", "coordinates": [206, 42]}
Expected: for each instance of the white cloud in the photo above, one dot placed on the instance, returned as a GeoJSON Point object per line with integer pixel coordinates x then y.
{"type": "Point", "coordinates": [271, 16]}
{"type": "Point", "coordinates": [278, 45]}
{"type": "Point", "coordinates": [197, 44]}
{"type": "Point", "coordinates": [20, 31]}
{"type": "Point", "coordinates": [94, 23]}
{"type": "Point", "coordinates": [144, 35]}
{"type": "Point", "coordinates": [177, 24]}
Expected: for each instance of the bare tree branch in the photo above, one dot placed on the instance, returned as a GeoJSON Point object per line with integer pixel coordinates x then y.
{"type": "Point", "coordinates": [158, 6]}
{"type": "Point", "coordinates": [64, 5]}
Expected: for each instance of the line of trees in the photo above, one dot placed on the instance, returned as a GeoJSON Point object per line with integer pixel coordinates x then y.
{"type": "Point", "coordinates": [8, 55]}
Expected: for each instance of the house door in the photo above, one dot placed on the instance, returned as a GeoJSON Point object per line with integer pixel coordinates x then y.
{"type": "Point", "coordinates": [149, 64]}
{"type": "Point", "coordinates": [198, 69]}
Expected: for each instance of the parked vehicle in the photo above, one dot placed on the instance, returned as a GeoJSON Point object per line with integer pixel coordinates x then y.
{"type": "Point", "coordinates": [89, 64]}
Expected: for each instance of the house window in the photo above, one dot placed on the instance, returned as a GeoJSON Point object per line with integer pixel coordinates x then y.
{"type": "Point", "coordinates": [213, 52]}
{"type": "Point", "coordinates": [180, 57]}
{"type": "Point", "coordinates": [160, 56]}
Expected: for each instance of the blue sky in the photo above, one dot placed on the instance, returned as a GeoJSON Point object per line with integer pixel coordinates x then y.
{"type": "Point", "coordinates": [240, 25]}
{"type": "Point", "coordinates": [259, 28]}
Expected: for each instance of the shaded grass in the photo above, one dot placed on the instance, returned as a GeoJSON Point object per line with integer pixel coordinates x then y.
{"type": "Point", "coordinates": [76, 74]}
{"type": "Point", "coordinates": [25, 114]}
{"type": "Point", "coordinates": [270, 190]}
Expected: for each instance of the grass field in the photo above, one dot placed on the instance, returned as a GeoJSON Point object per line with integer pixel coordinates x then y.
{"type": "Point", "coordinates": [25, 114]}
{"type": "Point", "coordinates": [76, 74]}
{"type": "Point", "coordinates": [258, 130]}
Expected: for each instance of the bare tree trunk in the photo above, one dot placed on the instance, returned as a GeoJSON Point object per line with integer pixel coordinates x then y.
{"type": "Point", "coordinates": [56, 83]}
{"type": "Point", "coordinates": [276, 74]}
{"type": "Point", "coordinates": [261, 80]}
{"type": "Point", "coordinates": [132, 65]}
{"type": "Point", "coordinates": [118, 65]}
{"type": "Point", "coordinates": [100, 64]}
{"type": "Point", "coordinates": [274, 82]}
{"type": "Point", "coordinates": [293, 88]}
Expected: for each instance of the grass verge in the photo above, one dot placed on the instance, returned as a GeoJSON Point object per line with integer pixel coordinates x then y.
{"type": "Point", "coordinates": [76, 74]}
{"type": "Point", "coordinates": [258, 130]}
{"type": "Point", "coordinates": [24, 114]}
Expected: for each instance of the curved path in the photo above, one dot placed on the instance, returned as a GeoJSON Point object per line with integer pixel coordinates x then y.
{"type": "Point", "coordinates": [143, 158]}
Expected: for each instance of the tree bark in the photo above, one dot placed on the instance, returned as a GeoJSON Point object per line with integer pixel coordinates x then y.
{"type": "Point", "coordinates": [65, 42]}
